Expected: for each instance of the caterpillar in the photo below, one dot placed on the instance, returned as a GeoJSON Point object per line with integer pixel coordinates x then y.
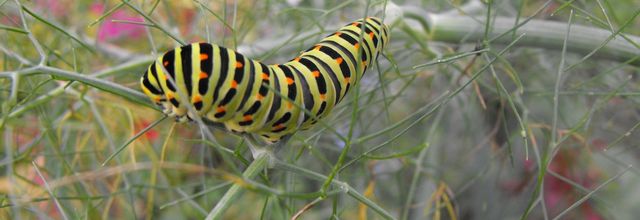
{"type": "Point", "coordinates": [245, 95]}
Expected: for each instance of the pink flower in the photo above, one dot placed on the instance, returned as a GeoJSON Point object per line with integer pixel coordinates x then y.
{"type": "Point", "coordinates": [110, 30]}
{"type": "Point", "coordinates": [55, 7]}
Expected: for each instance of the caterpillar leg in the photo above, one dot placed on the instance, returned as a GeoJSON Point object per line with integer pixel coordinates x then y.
{"type": "Point", "coordinates": [259, 147]}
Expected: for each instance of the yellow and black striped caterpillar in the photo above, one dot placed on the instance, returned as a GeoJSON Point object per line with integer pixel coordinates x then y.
{"type": "Point", "coordinates": [248, 96]}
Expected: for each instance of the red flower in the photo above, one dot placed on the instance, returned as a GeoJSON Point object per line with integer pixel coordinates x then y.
{"type": "Point", "coordinates": [151, 134]}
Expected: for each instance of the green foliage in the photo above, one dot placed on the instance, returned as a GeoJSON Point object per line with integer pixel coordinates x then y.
{"type": "Point", "coordinates": [446, 125]}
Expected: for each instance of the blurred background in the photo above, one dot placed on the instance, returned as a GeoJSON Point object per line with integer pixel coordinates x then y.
{"type": "Point", "coordinates": [443, 127]}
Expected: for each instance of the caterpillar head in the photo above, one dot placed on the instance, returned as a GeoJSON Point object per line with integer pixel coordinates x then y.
{"type": "Point", "coordinates": [161, 90]}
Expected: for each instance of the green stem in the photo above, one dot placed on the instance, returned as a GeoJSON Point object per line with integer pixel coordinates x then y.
{"type": "Point", "coordinates": [108, 86]}
{"type": "Point", "coordinates": [258, 165]}
{"type": "Point", "coordinates": [342, 185]}
{"type": "Point", "coordinates": [538, 33]}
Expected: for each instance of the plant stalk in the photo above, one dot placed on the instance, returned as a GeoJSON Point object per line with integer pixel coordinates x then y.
{"type": "Point", "coordinates": [547, 34]}
{"type": "Point", "coordinates": [258, 165]}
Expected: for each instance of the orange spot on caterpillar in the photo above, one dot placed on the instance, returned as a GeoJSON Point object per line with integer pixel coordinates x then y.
{"type": "Point", "coordinates": [220, 109]}
{"type": "Point", "coordinates": [354, 24]}
{"type": "Point", "coordinates": [247, 117]}
{"type": "Point", "coordinates": [278, 126]}
{"type": "Point", "coordinates": [289, 81]}
{"type": "Point", "coordinates": [265, 76]}
{"type": "Point", "coordinates": [357, 45]}
{"type": "Point", "coordinates": [169, 95]}
{"type": "Point", "coordinates": [347, 79]}
{"type": "Point", "coordinates": [203, 75]}
{"type": "Point", "coordinates": [204, 56]}
{"type": "Point", "coordinates": [316, 73]}
{"type": "Point", "coordinates": [239, 64]}
{"type": "Point", "coordinates": [339, 60]}
{"type": "Point", "coordinates": [317, 47]}
{"type": "Point", "coordinates": [296, 59]}
{"type": "Point", "coordinates": [289, 105]}
{"type": "Point", "coordinates": [323, 96]}
{"type": "Point", "coordinates": [259, 97]}
{"type": "Point", "coordinates": [234, 84]}
{"type": "Point", "coordinates": [371, 35]}
{"type": "Point", "coordinates": [337, 34]}
{"type": "Point", "coordinates": [156, 99]}
{"type": "Point", "coordinates": [165, 63]}
{"type": "Point", "coordinates": [364, 63]}
{"type": "Point", "coordinates": [196, 98]}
